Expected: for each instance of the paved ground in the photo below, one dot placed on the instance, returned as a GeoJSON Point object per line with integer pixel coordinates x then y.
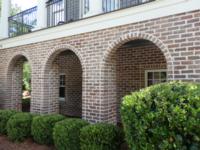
{"type": "Point", "coordinates": [5, 144]}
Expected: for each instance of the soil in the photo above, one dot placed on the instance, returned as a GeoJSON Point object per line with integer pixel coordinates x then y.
{"type": "Point", "coordinates": [6, 144]}
{"type": "Point", "coordinates": [29, 144]}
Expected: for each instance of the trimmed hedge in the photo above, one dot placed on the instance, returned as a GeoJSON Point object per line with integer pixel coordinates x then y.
{"type": "Point", "coordinates": [100, 137]}
{"type": "Point", "coordinates": [66, 134]}
{"type": "Point", "coordinates": [42, 128]}
{"type": "Point", "coordinates": [163, 116]}
{"type": "Point", "coordinates": [19, 126]}
{"type": "Point", "coordinates": [4, 117]}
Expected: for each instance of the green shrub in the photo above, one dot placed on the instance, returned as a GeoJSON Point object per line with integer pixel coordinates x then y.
{"type": "Point", "coordinates": [42, 128]}
{"type": "Point", "coordinates": [163, 116]}
{"type": "Point", "coordinates": [100, 137]}
{"type": "Point", "coordinates": [4, 117]}
{"type": "Point", "coordinates": [66, 134]}
{"type": "Point", "coordinates": [19, 126]}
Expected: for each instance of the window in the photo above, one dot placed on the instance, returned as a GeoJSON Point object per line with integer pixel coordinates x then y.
{"type": "Point", "coordinates": [110, 5]}
{"type": "Point", "coordinates": [86, 7]}
{"type": "Point", "coordinates": [55, 12]}
{"type": "Point", "coordinates": [62, 87]}
{"type": "Point", "coordinates": [58, 12]}
{"type": "Point", "coordinates": [154, 77]}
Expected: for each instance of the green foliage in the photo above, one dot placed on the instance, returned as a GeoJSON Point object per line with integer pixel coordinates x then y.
{"type": "Point", "coordinates": [27, 76]}
{"type": "Point", "coordinates": [4, 117]}
{"type": "Point", "coordinates": [19, 126]}
{"type": "Point", "coordinates": [42, 128]}
{"type": "Point", "coordinates": [100, 137]}
{"type": "Point", "coordinates": [14, 10]}
{"type": "Point", "coordinates": [66, 134]}
{"type": "Point", "coordinates": [163, 116]}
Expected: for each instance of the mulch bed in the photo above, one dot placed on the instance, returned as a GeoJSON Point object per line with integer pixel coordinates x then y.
{"type": "Point", "coordinates": [29, 144]}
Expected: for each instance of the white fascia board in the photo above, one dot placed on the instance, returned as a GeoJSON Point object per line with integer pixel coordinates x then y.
{"type": "Point", "coordinates": [153, 10]}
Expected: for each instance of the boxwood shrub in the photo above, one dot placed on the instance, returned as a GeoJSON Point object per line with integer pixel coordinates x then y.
{"type": "Point", "coordinates": [4, 117]}
{"type": "Point", "coordinates": [66, 134]}
{"type": "Point", "coordinates": [100, 137]}
{"type": "Point", "coordinates": [19, 126]}
{"type": "Point", "coordinates": [42, 128]}
{"type": "Point", "coordinates": [163, 116]}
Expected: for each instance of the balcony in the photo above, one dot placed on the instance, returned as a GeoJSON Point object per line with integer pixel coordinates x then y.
{"type": "Point", "coordinates": [23, 22]}
{"type": "Point", "coordinates": [57, 12]}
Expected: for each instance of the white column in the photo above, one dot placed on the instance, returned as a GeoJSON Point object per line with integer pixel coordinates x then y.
{"type": "Point", "coordinates": [95, 8]}
{"type": "Point", "coordinates": [41, 14]}
{"type": "Point", "coordinates": [5, 13]}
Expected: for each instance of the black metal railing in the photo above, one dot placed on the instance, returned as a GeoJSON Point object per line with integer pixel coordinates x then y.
{"type": "Point", "coordinates": [65, 11]}
{"type": "Point", "coordinates": [61, 11]}
{"type": "Point", "coordinates": [22, 22]}
{"type": "Point", "coordinates": [113, 5]}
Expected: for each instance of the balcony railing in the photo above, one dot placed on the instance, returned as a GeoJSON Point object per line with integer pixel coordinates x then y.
{"type": "Point", "coordinates": [64, 11]}
{"type": "Point", "coordinates": [22, 22]}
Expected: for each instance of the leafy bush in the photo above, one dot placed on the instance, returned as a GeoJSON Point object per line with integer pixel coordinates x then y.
{"type": "Point", "coordinates": [27, 76]}
{"type": "Point", "coordinates": [100, 137]}
{"type": "Point", "coordinates": [66, 134]}
{"type": "Point", "coordinates": [4, 117]}
{"type": "Point", "coordinates": [164, 116]}
{"type": "Point", "coordinates": [42, 128]}
{"type": "Point", "coordinates": [26, 101]}
{"type": "Point", "coordinates": [19, 126]}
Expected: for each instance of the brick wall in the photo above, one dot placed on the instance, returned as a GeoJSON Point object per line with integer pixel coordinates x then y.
{"type": "Point", "coordinates": [177, 37]}
{"type": "Point", "coordinates": [15, 82]}
{"type": "Point", "coordinates": [70, 66]}
{"type": "Point", "coordinates": [132, 59]}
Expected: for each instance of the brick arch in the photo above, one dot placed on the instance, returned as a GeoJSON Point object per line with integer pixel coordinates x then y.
{"type": "Point", "coordinates": [14, 77]}
{"type": "Point", "coordinates": [15, 57]}
{"type": "Point", "coordinates": [50, 81]}
{"type": "Point", "coordinates": [134, 36]}
{"type": "Point", "coordinates": [109, 75]}
{"type": "Point", "coordinates": [57, 50]}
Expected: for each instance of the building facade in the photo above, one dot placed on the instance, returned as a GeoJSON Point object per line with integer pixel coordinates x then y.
{"type": "Point", "coordinates": [84, 67]}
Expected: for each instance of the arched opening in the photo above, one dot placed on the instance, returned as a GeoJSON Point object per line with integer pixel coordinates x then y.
{"type": "Point", "coordinates": [19, 83]}
{"type": "Point", "coordinates": [131, 66]}
{"type": "Point", "coordinates": [64, 73]}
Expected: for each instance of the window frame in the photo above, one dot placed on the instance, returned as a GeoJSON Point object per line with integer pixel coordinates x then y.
{"type": "Point", "coordinates": [59, 12]}
{"type": "Point", "coordinates": [62, 99]}
{"type": "Point", "coordinates": [112, 7]}
{"type": "Point", "coordinates": [153, 70]}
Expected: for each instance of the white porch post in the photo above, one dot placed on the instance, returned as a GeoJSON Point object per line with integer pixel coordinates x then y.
{"type": "Point", "coordinates": [5, 13]}
{"type": "Point", "coordinates": [95, 8]}
{"type": "Point", "coordinates": [41, 14]}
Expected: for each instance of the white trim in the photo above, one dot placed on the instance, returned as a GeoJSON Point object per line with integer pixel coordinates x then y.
{"type": "Point", "coordinates": [153, 70]}
{"type": "Point", "coordinates": [156, 9]}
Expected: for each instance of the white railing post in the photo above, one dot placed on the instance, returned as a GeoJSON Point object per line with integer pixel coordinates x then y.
{"type": "Point", "coordinates": [95, 8]}
{"type": "Point", "coordinates": [5, 13]}
{"type": "Point", "coordinates": [41, 15]}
